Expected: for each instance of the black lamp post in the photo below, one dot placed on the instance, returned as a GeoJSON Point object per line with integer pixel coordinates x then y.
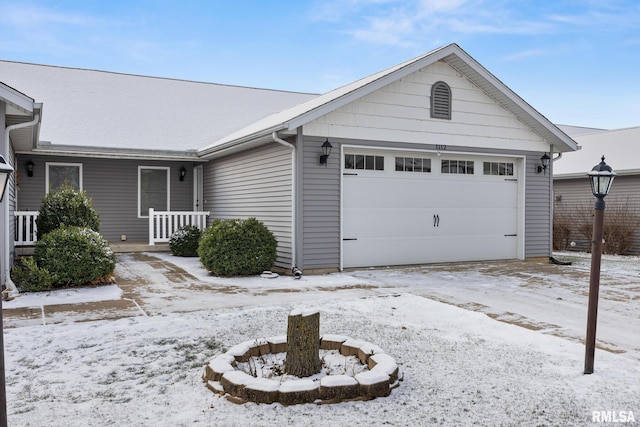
{"type": "Point", "coordinates": [601, 177]}
{"type": "Point", "coordinates": [5, 173]}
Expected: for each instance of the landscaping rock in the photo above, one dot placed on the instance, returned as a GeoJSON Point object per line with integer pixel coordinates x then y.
{"type": "Point", "coordinates": [299, 391]}
{"type": "Point", "coordinates": [278, 344]}
{"type": "Point", "coordinates": [385, 363]}
{"type": "Point", "coordinates": [339, 387]}
{"type": "Point", "coordinates": [373, 384]}
{"type": "Point", "coordinates": [235, 382]}
{"type": "Point", "coordinates": [332, 342]}
{"type": "Point", "coordinates": [263, 390]}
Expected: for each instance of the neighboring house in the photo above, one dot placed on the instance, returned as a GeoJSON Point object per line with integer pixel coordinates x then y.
{"type": "Point", "coordinates": [433, 160]}
{"type": "Point", "coordinates": [621, 148]}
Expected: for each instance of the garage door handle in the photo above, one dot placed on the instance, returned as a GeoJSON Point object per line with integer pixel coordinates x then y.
{"type": "Point", "coordinates": [350, 239]}
{"type": "Point", "coordinates": [436, 220]}
{"type": "Point", "coordinates": [510, 235]}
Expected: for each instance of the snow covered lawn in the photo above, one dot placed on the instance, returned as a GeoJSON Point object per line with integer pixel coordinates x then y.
{"type": "Point", "coordinates": [460, 367]}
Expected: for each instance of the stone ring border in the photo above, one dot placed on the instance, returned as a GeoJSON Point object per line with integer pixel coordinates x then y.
{"type": "Point", "coordinates": [222, 376]}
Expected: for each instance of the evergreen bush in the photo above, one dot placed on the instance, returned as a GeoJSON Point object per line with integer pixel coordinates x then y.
{"type": "Point", "coordinates": [75, 256]}
{"type": "Point", "coordinates": [31, 278]}
{"type": "Point", "coordinates": [184, 241]}
{"type": "Point", "coordinates": [237, 247]}
{"type": "Point", "coordinates": [66, 206]}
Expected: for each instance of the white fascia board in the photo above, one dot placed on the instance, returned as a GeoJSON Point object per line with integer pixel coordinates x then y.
{"type": "Point", "coordinates": [47, 149]}
{"type": "Point", "coordinates": [367, 85]}
{"type": "Point", "coordinates": [226, 145]}
{"type": "Point", "coordinates": [16, 99]}
{"type": "Point", "coordinates": [566, 142]}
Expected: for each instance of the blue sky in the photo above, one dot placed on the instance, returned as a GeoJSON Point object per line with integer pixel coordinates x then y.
{"type": "Point", "coordinates": [577, 62]}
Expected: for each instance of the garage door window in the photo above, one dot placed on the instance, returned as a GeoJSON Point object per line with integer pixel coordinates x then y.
{"type": "Point", "coordinates": [413, 164]}
{"type": "Point", "coordinates": [498, 168]}
{"type": "Point", "coordinates": [363, 162]}
{"type": "Point", "coordinates": [461, 167]}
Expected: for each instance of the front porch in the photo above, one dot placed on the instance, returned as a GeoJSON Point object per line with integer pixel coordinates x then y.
{"type": "Point", "coordinates": [162, 224]}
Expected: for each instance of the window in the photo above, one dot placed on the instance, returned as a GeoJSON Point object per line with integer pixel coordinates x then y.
{"type": "Point", "coordinates": [153, 189]}
{"type": "Point", "coordinates": [412, 164]}
{"type": "Point", "coordinates": [498, 168]}
{"type": "Point", "coordinates": [441, 101]}
{"type": "Point", "coordinates": [60, 173]}
{"type": "Point", "coordinates": [462, 167]}
{"type": "Point", "coordinates": [364, 162]}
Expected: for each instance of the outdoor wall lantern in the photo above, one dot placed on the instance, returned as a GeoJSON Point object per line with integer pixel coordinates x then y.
{"type": "Point", "coordinates": [29, 166]}
{"type": "Point", "coordinates": [326, 150]}
{"type": "Point", "coordinates": [544, 163]}
{"type": "Point", "coordinates": [601, 177]}
{"type": "Point", "coordinates": [5, 174]}
{"type": "Point", "coordinates": [183, 173]}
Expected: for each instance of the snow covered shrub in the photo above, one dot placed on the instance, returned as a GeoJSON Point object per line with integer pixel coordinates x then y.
{"type": "Point", "coordinates": [31, 278]}
{"type": "Point", "coordinates": [237, 247]}
{"type": "Point", "coordinates": [66, 206]}
{"type": "Point", "coordinates": [184, 242]}
{"type": "Point", "coordinates": [75, 255]}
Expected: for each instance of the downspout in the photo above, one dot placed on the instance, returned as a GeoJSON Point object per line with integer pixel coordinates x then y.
{"type": "Point", "coordinates": [294, 255]}
{"type": "Point", "coordinates": [11, 287]}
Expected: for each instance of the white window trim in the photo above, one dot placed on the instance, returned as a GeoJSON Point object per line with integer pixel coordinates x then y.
{"type": "Point", "coordinates": [166, 168]}
{"type": "Point", "coordinates": [47, 164]}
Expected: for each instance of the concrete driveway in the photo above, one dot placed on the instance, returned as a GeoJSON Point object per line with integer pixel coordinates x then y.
{"type": "Point", "coordinates": [540, 296]}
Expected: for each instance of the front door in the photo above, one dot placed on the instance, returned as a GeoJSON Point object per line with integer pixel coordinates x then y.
{"type": "Point", "coordinates": [198, 193]}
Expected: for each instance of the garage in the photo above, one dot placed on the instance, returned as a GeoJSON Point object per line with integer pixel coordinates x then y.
{"type": "Point", "coordinates": [403, 207]}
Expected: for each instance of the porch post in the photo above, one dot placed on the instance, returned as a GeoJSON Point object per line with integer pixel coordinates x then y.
{"type": "Point", "coordinates": [151, 227]}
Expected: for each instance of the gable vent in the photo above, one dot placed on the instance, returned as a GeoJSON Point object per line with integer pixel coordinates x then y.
{"type": "Point", "coordinates": [441, 101]}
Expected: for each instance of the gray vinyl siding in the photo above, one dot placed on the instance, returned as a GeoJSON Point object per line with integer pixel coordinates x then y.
{"type": "Point", "coordinates": [255, 183]}
{"type": "Point", "coordinates": [569, 194]}
{"type": "Point", "coordinates": [320, 206]}
{"type": "Point", "coordinates": [11, 194]}
{"type": "Point", "coordinates": [321, 200]}
{"type": "Point", "coordinates": [537, 219]}
{"type": "Point", "coordinates": [112, 185]}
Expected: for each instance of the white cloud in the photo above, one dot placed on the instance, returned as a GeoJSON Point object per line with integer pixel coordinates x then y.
{"type": "Point", "coordinates": [410, 22]}
{"type": "Point", "coordinates": [531, 53]}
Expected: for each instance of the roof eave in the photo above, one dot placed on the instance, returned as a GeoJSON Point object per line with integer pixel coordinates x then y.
{"type": "Point", "coordinates": [236, 145]}
{"type": "Point", "coordinates": [409, 68]}
{"type": "Point", "coordinates": [16, 99]}
{"type": "Point", "coordinates": [501, 93]}
{"type": "Point", "coordinates": [47, 149]}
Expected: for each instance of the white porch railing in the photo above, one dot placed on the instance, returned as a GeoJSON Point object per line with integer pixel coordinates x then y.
{"type": "Point", "coordinates": [26, 229]}
{"type": "Point", "coordinates": [162, 224]}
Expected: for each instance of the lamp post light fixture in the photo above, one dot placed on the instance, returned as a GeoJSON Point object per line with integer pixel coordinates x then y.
{"type": "Point", "coordinates": [326, 150]}
{"type": "Point", "coordinates": [601, 177]}
{"type": "Point", "coordinates": [5, 173]}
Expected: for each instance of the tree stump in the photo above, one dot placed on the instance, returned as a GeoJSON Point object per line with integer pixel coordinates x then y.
{"type": "Point", "coordinates": [303, 344]}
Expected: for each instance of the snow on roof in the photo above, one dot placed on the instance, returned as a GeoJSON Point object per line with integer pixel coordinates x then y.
{"type": "Point", "coordinates": [621, 148]}
{"type": "Point", "coordinates": [89, 108]}
{"type": "Point", "coordinates": [112, 111]}
{"type": "Point", "coordinates": [452, 53]}
{"type": "Point", "coordinates": [579, 130]}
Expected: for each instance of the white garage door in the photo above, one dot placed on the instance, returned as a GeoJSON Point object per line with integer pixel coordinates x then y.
{"type": "Point", "coordinates": [410, 208]}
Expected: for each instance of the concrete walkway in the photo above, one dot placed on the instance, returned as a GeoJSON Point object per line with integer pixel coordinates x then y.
{"type": "Point", "coordinates": [539, 296]}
